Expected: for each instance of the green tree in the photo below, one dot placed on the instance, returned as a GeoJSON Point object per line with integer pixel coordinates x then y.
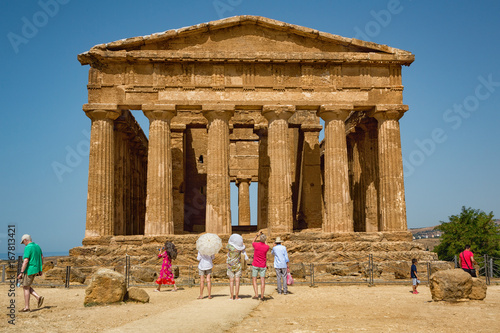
{"type": "Point", "coordinates": [472, 227]}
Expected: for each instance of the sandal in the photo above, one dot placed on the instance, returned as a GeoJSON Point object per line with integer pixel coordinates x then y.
{"type": "Point", "coordinates": [24, 310]}
{"type": "Point", "coordinates": [40, 301]}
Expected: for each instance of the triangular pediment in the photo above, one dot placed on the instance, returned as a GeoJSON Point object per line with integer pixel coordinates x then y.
{"type": "Point", "coordinates": [247, 37]}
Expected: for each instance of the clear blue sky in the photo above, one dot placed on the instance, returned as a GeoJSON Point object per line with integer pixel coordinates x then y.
{"type": "Point", "coordinates": [449, 136]}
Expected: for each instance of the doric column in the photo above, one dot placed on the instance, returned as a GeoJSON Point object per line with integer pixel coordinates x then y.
{"type": "Point", "coordinates": [310, 177]}
{"type": "Point", "coordinates": [338, 205]}
{"type": "Point", "coordinates": [243, 183]}
{"type": "Point", "coordinates": [100, 197]}
{"type": "Point", "coordinates": [369, 175]}
{"type": "Point", "coordinates": [391, 178]}
{"type": "Point", "coordinates": [159, 202]}
{"type": "Point", "coordinates": [263, 175]}
{"type": "Point", "coordinates": [280, 219]}
{"type": "Point", "coordinates": [218, 211]}
{"type": "Point", "coordinates": [178, 174]}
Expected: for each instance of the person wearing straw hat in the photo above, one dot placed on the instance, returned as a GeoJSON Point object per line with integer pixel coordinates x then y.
{"type": "Point", "coordinates": [280, 265]}
{"type": "Point", "coordinates": [235, 248]}
{"type": "Point", "coordinates": [32, 266]}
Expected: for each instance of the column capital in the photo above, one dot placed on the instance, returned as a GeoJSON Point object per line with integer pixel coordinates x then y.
{"type": "Point", "coordinates": [101, 111]}
{"type": "Point", "coordinates": [389, 111]}
{"type": "Point", "coordinates": [329, 112]}
{"type": "Point", "coordinates": [218, 111]}
{"type": "Point", "coordinates": [273, 112]}
{"type": "Point", "coordinates": [243, 179]}
{"type": "Point", "coordinates": [159, 111]}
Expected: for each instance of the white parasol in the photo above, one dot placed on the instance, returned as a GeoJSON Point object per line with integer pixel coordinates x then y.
{"type": "Point", "coordinates": [208, 244]}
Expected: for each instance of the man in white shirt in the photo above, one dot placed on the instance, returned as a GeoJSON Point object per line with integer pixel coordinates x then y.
{"type": "Point", "coordinates": [280, 265]}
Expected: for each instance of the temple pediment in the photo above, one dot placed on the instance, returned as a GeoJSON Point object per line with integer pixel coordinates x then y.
{"type": "Point", "coordinates": [245, 38]}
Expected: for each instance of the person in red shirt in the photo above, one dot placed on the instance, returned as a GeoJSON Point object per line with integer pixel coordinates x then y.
{"type": "Point", "coordinates": [259, 264]}
{"type": "Point", "coordinates": [467, 262]}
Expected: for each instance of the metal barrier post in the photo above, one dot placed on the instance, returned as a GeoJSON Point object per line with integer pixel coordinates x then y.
{"type": "Point", "coordinates": [312, 274]}
{"type": "Point", "coordinates": [68, 274]}
{"type": "Point", "coordinates": [370, 270]}
{"type": "Point", "coordinates": [491, 267]}
{"type": "Point", "coordinates": [486, 270]}
{"type": "Point", "coordinates": [19, 264]}
{"type": "Point", "coordinates": [127, 271]}
{"type": "Point", "coordinates": [3, 273]}
{"type": "Point", "coordinates": [429, 272]}
{"type": "Point", "coordinates": [191, 276]}
{"type": "Point", "coordinates": [455, 261]}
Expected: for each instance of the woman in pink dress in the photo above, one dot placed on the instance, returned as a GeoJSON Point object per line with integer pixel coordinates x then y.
{"type": "Point", "coordinates": [168, 253]}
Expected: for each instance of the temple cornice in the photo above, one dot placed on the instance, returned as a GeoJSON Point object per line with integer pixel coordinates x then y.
{"type": "Point", "coordinates": [96, 56]}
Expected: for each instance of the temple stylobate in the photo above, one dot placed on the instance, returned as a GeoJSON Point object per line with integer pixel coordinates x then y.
{"type": "Point", "coordinates": [240, 100]}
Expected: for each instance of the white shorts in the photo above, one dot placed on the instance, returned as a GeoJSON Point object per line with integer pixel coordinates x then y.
{"type": "Point", "coordinates": [415, 281]}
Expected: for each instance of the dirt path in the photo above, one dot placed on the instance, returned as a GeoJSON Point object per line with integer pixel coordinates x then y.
{"type": "Point", "coordinates": [322, 309]}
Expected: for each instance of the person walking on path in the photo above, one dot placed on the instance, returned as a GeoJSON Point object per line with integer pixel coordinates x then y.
{"type": "Point", "coordinates": [168, 252]}
{"type": "Point", "coordinates": [467, 262]}
{"type": "Point", "coordinates": [414, 276]}
{"type": "Point", "coordinates": [280, 265]}
{"type": "Point", "coordinates": [32, 266]}
{"type": "Point", "coordinates": [259, 264]}
{"type": "Point", "coordinates": [205, 268]}
{"type": "Point", "coordinates": [235, 247]}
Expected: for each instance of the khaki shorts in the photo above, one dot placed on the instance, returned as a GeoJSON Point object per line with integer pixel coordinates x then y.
{"type": "Point", "coordinates": [232, 274]}
{"type": "Point", "coordinates": [202, 272]}
{"type": "Point", "coordinates": [27, 280]}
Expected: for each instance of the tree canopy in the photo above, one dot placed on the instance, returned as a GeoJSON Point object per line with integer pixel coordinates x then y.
{"type": "Point", "coordinates": [472, 227]}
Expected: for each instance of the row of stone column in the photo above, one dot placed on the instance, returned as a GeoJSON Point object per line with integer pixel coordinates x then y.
{"type": "Point", "coordinates": [159, 218]}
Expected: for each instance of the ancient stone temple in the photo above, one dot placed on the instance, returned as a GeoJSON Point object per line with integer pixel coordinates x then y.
{"type": "Point", "coordinates": [241, 100]}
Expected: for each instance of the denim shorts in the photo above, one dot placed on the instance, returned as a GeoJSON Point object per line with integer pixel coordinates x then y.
{"type": "Point", "coordinates": [261, 271]}
{"type": "Point", "coordinates": [415, 281]}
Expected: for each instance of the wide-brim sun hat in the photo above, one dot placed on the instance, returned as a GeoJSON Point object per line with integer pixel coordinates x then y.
{"type": "Point", "coordinates": [237, 242]}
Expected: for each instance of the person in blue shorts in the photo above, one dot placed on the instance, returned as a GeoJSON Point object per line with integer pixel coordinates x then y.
{"type": "Point", "coordinates": [414, 275]}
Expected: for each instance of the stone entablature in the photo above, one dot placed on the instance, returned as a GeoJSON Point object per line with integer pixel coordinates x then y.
{"type": "Point", "coordinates": [241, 99]}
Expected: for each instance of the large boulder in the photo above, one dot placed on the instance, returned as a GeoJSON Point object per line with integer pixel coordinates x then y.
{"type": "Point", "coordinates": [450, 285]}
{"type": "Point", "coordinates": [106, 287]}
{"type": "Point", "coordinates": [137, 295]}
{"type": "Point", "coordinates": [478, 291]}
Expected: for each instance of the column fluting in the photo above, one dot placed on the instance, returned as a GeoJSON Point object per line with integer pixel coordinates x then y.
{"type": "Point", "coordinates": [338, 204]}
{"type": "Point", "coordinates": [100, 195]}
{"type": "Point", "coordinates": [159, 199]}
{"type": "Point", "coordinates": [218, 206]}
{"type": "Point", "coordinates": [280, 219]}
{"type": "Point", "coordinates": [391, 179]}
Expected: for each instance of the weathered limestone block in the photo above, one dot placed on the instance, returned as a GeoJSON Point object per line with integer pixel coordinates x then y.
{"type": "Point", "coordinates": [219, 271]}
{"type": "Point", "coordinates": [136, 295]}
{"type": "Point", "coordinates": [298, 272]}
{"type": "Point", "coordinates": [440, 266]}
{"type": "Point", "coordinates": [58, 274]}
{"type": "Point", "coordinates": [450, 285]}
{"type": "Point", "coordinates": [478, 291]}
{"type": "Point", "coordinates": [143, 274]}
{"type": "Point", "coordinates": [106, 287]}
{"type": "Point", "coordinates": [402, 270]}
{"type": "Point", "coordinates": [344, 269]}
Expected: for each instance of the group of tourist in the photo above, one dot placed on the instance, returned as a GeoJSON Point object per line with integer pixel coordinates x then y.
{"type": "Point", "coordinates": [33, 258]}
{"type": "Point", "coordinates": [235, 264]}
